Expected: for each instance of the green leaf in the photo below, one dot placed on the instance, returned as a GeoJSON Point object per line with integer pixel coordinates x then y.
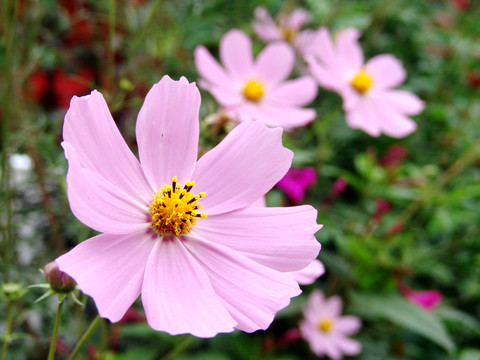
{"type": "Point", "coordinates": [469, 354]}
{"type": "Point", "coordinates": [396, 309]}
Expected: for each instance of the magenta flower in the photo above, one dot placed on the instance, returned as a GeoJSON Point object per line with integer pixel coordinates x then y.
{"type": "Point", "coordinates": [370, 101]}
{"type": "Point", "coordinates": [257, 89]}
{"type": "Point", "coordinates": [426, 299]}
{"type": "Point", "coordinates": [286, 28]}
{"type": "Point", "coordinates": [296, 182]}
{"type": "Point", "coordinates": [178, 231]}
{"type": "Point", "coordinates": [326, 330]}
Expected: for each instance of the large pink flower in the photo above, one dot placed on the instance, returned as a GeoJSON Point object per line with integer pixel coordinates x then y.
{"type": "Point", "coordinates": [178, 231]}
{"type": "Point", "coordinates": [326, 330]}
{"type": "Point", "coordinates": [369, 99]}
{"type": "Point", "coordinates": [257, 89]}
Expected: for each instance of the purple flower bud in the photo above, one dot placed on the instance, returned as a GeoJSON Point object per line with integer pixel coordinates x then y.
{"type": "Point", "coordinates": [58, 280]}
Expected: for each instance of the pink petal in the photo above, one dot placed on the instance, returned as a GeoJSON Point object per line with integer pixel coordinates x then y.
{"type": "Point", "coordinates": [297, 19]}
{"type": "Point", "coordinates": [349, 49]}
{"type": "Point", "coordinates": [309, 274]}
{"type": "Point", "coordinates": [393, 123]}
{"type": "Point", "coordinates": [243, 167]}
{"type": "Point", "coordinates": [285, 117]}
{"type": "Point", "coordinates": [177, 294]}
{"type": "Point", "coordinates": [209, 69]}
{"type": "Point", "coordinates": [297, 92]}
{"type": "Point", "coordinates": [402, 101]}
{"type": "Point", "coordinates": [252, 293]}
{"type": "Point", "coordinates": [348, 325]}
{"type": "Point", "coordinates": [236, 54]}
{"type": "Point", "coordinates": [324, 76]}
{"type": "Point", "coordinates": [364, 117]}
{"type": "Point", "coordinates": [110, 269]}
{"type": "Point", "coordinates": [348, 346]}
{"type": "Point", "coordinates": [427, 299]}
{"type": "Point", "coordinates": [167, 131]}
{"type": "Point", "coordinates": [386, 70]}
{"type": "Point", "coordinates": [230, 97]}
{"type": "Point", "coordinates": [90, 129]}
{"type": "Point", "coordinates": [333, 306]}
{"type": "Point", "coordinates": [264, 26]}
{"type": "Point", "coordinates": [280, 238]}
{"type": "Point", "coordinates": [275, 63]}
{"type": "Point", "coordinates": [100, 204]}
{"type": "Point", "coordinates": [326, 52]}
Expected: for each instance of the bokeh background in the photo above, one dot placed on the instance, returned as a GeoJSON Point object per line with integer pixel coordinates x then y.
{"type": "Point", "coordinates": [396, 212]}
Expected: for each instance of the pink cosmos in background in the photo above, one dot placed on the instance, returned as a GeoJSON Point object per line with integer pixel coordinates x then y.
{"type": "Point", "coordinates": [370, 101]}
{"type": "Point", "coordinates": [178, 231]}
{"type": "Point", "coordinates": [286, 28]}
{"type": "Point", "coordinates": [326, 329]}
{"type": "Point", "coordinates": [296, 182]}
{"type": "Point", "coordinates": [257, 89]}
{"type": "Point", "coordinates": [426, 299]}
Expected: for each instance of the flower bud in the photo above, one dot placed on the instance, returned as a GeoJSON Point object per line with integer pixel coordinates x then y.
{"type": "Point", "coordinates": [58, 280]}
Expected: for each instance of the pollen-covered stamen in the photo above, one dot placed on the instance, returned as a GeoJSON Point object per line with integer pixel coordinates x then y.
{"type": "Point", "coordinates": [325, 325]}
{"type": "Point", "coordinates": [288, 34]}
{"type": "Point", "coordinates": [175, 210]}
{"type": "Point", "coordinates": [362, 82]}
{"type": "Point", "coordinates": [253, 90]}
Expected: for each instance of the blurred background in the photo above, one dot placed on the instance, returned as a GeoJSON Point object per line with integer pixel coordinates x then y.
{"type": "Point", "coordinates": [400, 216]}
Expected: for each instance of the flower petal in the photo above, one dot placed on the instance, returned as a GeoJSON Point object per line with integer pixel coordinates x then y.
{"type": "Point", "coordinates": [281, 238]}
{"type": "Point", "coordinates": [209, 69]}
{"type": "Point", "coordinates": [297, 92]}
{"type": "Point", "coordinates": [403, 101]}
{"type": "Point", "coordinates": [264, 26]}
{"type": "Point", "coordinates": [167, 131]}
{"type": "Point", "coordinates": [236, 53]}
{"type": "Point", "coordinates": [393, 123]}
{"type": "Point", "coordinates": [110, 269]}
{"type": "Point", "coordinates": [100, 204]}
{"type": "Point", "coordinates": [365, 118]}
{"type": "Point", "coordinates": [90, 129]}
{"type": "Point", "coordinates": [348, 47]}
{"type": "Point", "coordinates": [348, 324]}
{"type": "Point", "coordinates": [275, 63]}
{"type": "Point", "coordinates": [252, 293]}
{"type": "Point", "coordinates": [178, 296]}
{"type": "Point", "coordinates": [309, 274]}
{"type": "Point", "coordinates": [324, 76]}
{"type": "Point", "coordinates": [285, 117]}
{"type": "Point", "coordinates": [297, 18]}
{"type": "Point", "coordinates": [243, 167]}
{"type": "Point", "coordinates": [348, 346]}
{"type": "Point", "coordinates": [386, 70]}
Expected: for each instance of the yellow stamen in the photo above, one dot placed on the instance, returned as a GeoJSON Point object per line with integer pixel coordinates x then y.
{"type": "Point", "coordinates": [253, 90]}
{"type": "Point", "coordinates": [175, 210]}
{"type": "Point", "coordinates": [325, 325]}
{"type": "Point", "coordinates": [288, 34]}
{"type": "Point", "coordinates": [362, 82]}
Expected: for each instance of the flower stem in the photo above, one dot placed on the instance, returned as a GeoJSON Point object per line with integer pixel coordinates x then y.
{"type": "Point", "coordinates": [8, 330]}
{"type": "Point", "coordinates": [83, 339]}
{"type": "Point", "coordinates": [53, 340]}
{"type": "Point", "coordinates": [179, 348]}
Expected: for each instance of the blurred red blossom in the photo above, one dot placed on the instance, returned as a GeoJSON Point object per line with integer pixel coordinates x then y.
{"type": "Point", "coordinates": [296, 182]}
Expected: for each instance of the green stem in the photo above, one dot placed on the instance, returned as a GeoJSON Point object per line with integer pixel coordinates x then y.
{"type": "Point", "coordinates": [53, 340]}
{"type": "Point", "coordinates": [8, 330]}
{"type": "Point", "coordinates": [179, 348]}
{"type": "Point", "coordinates": [83, 339]}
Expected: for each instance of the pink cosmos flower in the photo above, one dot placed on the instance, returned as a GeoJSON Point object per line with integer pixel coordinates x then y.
{"type": "Point", "coordinates": [309, 274]}
{"type": "Point", "coordinates": [296, 182]}
{"type": "Point", "coordinates": [178, 231]}
{"type": "Point", "coordinates": [370, 101]}
{"type": "Point", "coordinates": [257, 89]}
{"type": "Point", "coordinates": [286, 28]}
{"type": "Point", "coordinates": [326, 330]}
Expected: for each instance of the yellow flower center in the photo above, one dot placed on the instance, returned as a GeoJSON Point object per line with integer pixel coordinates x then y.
{"type": "Point", "coordinates": [253, 90]}
{"type": "Point", "coordinates": [325, 325]}
{"type": "Point", "coordinates": [362, 82]}
{"type": "Point", "coordinates": [175, 210]}
{"type": "Point", "coordinates": [288, 34]}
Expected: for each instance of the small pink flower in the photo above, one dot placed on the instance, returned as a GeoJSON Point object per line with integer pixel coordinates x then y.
{"type": "Point", "coordinates": [296, 182]}
{"type": "Point", "coordinates": [286, 28]}
{"type": "Point", "coordinates": [369, 99]}
{"type": "Point", "coordinates": [427, 299]}
{"type": "Point", "coordinates": [326, 330]}
{"type": "Point", "coordinates": [257, 89]}
{"type": "Point", "coordinates": [203, 260]}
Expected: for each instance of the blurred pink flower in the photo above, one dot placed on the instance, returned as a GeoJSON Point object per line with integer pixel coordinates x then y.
{"type": "Point", "coordinates": [196, 274]}
{"type": "Point", "coordinates": [370, 101]}
{"type": "Point", "coordinates": [257, 89]}
{"type": "Point", "coordinates": [286, 28]}
{"type": "Point", "coordinates": [427, 299]}
{"type": "Point", "coordinates": [296, 182]}
{"type": "Point", "coordinates": [326, 330]}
